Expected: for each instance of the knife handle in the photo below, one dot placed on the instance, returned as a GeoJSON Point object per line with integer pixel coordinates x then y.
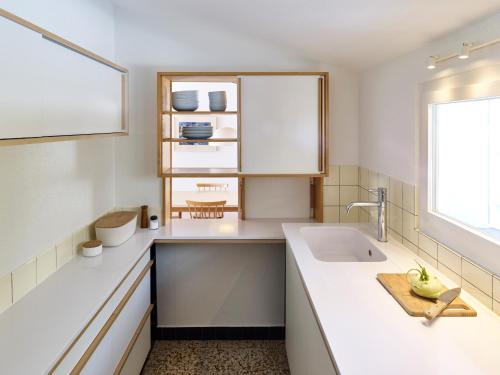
{"type": "Point", "coordinates": [435, 309]}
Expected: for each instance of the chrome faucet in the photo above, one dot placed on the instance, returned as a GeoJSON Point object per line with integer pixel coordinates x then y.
{"type": "Point", "coordinates": [381, 205]}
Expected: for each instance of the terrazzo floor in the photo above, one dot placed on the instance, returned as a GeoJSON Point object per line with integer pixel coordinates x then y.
{"type": "Point", "coordinates": [217, 357]}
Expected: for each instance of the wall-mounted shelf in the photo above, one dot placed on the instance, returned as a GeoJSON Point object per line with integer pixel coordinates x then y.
{"type": "Point", "coordinates": [201, 172]}
{"type": "Point", "coordinates": [200, 140]}
{"type": "Point", "coordinates": [201, 113]}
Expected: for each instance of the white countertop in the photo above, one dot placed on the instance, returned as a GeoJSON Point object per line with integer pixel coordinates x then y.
{"type": "Point", "coordinates": [35, 331]}
{"type": "Point", "coordinates": [368, 332]}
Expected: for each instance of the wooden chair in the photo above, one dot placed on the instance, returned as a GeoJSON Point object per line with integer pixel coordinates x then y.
{"type": "Point", "coordinates": [206, 210]}
{"type": "Point", "coordinates": [211, 186]}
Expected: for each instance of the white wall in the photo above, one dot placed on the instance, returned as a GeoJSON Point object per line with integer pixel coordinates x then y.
{"type": "Point", "coordinates": [389, 123]}
{"type": "Point", "coordinates": [50, 190]}
{"type": "Point", "coordinates": [389, 99]}
{"type": "Point", "coordinates": [148, 44]}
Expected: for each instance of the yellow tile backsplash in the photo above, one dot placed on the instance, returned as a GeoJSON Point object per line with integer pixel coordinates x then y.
{"type": "Point", "coordinates": [477, 277]}
{"type": "Point", "coordinates": [496, 288]}
{"type": "Point", "coordinates": [496, 307]}
{"type": "Point", "coordinates": [395, 192]}
{"type": "Point", "coordinates": [64, 251]}
{"type": "Point", "coordinates": [428, 245]}
{"type": "Point", "coordinates": [352, 217]}
{"type": "Point", "coordinates": [449, 259]}
{"type": "Point", "coordinates": [396, 218]}
{"type": "Point", "coordinates": [5, 292]}
{"type": "Point", "coordinates": [46, 264]}
{"type": "Point", "coordinates": [331, 214]}
{"type": "Point", "coordinates": [348, 194]}
{"type": "Point", "coordinates": [331, 195]}
{"type": "Point", "coordinates": [23, 280]}
{"type": "Point", "coordinates": [409, 231]}
{"type": "Point", "coordinates": [333, 176]}
{"type": "Point", "coordinates": [453, 276]}
{"type": "Point", "coordinates": [79, 237]}
{"type": "Point", "coordinates": [403, 227]}
{"type": "Point", "coordinates": [409, 198]}
{"type": "Point", "coordinates": [478, 294]}
{"type": "Point", "coordinates": [349, 175]}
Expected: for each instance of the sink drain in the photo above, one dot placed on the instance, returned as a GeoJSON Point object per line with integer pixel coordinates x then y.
{"type": "Point", "coordinates": [370, 252]}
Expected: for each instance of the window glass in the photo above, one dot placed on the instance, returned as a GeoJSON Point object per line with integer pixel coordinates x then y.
{"type": "Point", "coordinates": [465, 157]}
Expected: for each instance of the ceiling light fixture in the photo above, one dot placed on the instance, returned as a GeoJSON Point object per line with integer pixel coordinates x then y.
{"type": "Point", "coordinates": [466, 50]}
{"type": "Point", "coordinates": [431, 62]}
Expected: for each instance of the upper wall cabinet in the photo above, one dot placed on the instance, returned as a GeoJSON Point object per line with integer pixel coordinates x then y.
{"type": "Point", "coordinates": [54, 90]}
{"type": "Point", "coordinates": [282, 124]}
{"type": "Point", "coordinates": [271, 124]}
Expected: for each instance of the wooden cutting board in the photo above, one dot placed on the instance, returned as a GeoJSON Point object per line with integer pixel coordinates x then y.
{"type": "Point", "coordinates": [397, 285]}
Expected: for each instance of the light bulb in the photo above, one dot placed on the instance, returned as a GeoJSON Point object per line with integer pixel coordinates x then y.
{"type": "Point", "coordinates": [431, 62]}
{"type": "Point", "coordinates": [465, 52]}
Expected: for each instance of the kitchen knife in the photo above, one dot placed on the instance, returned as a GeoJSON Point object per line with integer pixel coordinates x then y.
{"type": "Point", "coordinates": [442, 303]}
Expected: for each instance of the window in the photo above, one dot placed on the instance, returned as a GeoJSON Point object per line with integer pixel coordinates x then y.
{"type": "Point", "coordinates": [464, 163]}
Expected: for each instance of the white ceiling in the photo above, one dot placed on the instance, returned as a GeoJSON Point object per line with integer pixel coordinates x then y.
{"type": "Point", "coordinates": [356, 33]}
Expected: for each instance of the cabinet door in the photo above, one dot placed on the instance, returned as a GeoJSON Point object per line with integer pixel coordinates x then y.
{"type": "Point", "coordinates": [21, 89]}
{"type": "Point", "coordinates": [47, 89]}
{"type": "Point", "coordinates": [280, 124]}
{"type": "Point", "coordinates": [305, 347]}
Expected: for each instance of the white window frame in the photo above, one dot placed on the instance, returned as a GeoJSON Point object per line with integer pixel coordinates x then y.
{"type": "Point", "coordinates": [472, 243]}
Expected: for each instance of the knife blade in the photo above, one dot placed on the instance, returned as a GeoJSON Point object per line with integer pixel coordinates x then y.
{"type": "Point", "coordinates": [442, 303]}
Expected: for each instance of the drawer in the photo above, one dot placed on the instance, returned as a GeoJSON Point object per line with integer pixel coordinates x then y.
{"type": "Point", "coordinates": [135, 358]}
{"type": "Point", "coordinates": [113, 345]}
{"type": "Point", "coordinates": [90, 334]}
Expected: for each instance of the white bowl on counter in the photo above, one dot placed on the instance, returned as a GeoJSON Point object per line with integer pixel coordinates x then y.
{"type": "Point", "coordinates": [116, 228]}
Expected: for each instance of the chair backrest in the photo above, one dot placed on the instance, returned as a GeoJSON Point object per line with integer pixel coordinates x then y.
{"type": "Point", "coordinates": [206, 210]}
{"type": "Point", "coordinates": [211, 186]}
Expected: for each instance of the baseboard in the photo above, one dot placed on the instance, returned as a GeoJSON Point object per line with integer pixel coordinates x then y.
{"type": "Point", "coordinates": [219, 333]}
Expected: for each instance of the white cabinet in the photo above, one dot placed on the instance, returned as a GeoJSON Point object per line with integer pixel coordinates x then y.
{"type": "Point", "coordinates": [118, 338]}
{"type": "Point", "coordinates": [281, 124]}
{"type": "Point", "coordinates": [53, 88]}
{"type": "Point", "coordinates": [108, 354]}
{"type": "Point", "coordinates": [306, 350]}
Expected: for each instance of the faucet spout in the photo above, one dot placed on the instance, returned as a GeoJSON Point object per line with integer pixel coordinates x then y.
{"type": "Point", "coordinates": [381, 205]}
{"type": "Point", "coordinates": [350, 206]}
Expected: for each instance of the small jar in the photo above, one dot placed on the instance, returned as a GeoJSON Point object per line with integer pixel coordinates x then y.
{"type": "Point", "coordinates": [92, 248]}
{"type": "Point", "coordinates": [154, 223]}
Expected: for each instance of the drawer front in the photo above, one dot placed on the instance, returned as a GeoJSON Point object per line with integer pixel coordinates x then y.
{"type": "Point", "coordinates": [137, 356]}
{"type": "Point", "coordinates": [107, 355]}
{"type": "Point", "coordinates": [82, 343]}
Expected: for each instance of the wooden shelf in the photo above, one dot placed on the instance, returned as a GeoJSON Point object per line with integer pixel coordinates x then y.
{"type": "Point", "coordinates": [201, 172]}
{"type": "Point", "coordinates": [200, 140]}
{"type": "Point", "coordinates": [202, 113]}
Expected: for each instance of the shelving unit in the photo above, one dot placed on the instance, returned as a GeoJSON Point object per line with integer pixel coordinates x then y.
{"type": "Point", "coordinates": [261, 138]}
{"type": "Point", "coordinates": [169, 137]}
{"type": "Point", "coordinates": [200, 140]}
{"type": "Point", "coordinates": [201, 113]}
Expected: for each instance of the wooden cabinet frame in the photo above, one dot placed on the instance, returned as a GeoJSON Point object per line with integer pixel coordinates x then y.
{"type": "Point", "coordinates": [165, 140]}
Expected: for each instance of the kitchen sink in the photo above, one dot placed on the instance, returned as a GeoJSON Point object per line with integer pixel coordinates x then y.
{"type": "Point", "coordinates": [340, 244]}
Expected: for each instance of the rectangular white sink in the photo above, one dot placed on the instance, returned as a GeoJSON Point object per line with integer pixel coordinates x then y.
{"type": "Point", "coordinates": [340, 244]}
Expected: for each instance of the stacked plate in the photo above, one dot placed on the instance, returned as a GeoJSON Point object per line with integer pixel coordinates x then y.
{"type": "Point", "coordinates": [185, 100]}
{"type": "Point", "coordinates": [197, 130]}
{"type": "Point", "coordinates": [217, 100]}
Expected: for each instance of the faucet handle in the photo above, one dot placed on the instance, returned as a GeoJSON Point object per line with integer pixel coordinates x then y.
{"type": "Point", "coordinates": [381, 193]}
